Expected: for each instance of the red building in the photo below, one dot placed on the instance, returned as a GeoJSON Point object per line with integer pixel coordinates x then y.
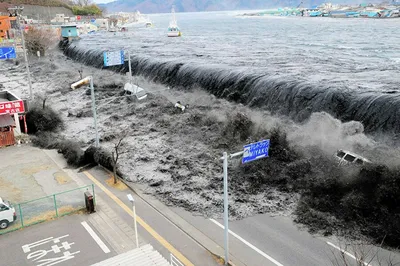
{"type": "Point", "coordinates": [12, 110]}
{"type": "Point", "coordinates": [5, 26]}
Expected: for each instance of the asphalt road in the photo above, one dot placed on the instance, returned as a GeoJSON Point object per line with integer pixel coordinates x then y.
{"type": "Point", "coordinates": [276, 241]}
{"type": "Point", "coordinates": [62, 242]}
{"type": "Point", "coordinates": [259, 240]}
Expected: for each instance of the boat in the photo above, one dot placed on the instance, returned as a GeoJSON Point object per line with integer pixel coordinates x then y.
{"type": "Point", "coordinates": [173, 29]}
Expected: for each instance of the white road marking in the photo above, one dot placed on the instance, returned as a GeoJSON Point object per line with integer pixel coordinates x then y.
{"type": "Point", "coordinates": [96, 237]}
{"type": "Point", "coordinates": [27, 248]}
{"type": "Point", "coordinates": [249, 245]}
{"type": "Point", "coordinates": [348, 254]}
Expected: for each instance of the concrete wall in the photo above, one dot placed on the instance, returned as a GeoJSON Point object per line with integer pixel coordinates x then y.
{"type": "Point", "coordinates": [44, 13]}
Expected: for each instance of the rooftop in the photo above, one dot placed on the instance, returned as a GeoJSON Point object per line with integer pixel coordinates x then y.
{"type": "Point", "coordinates": [6, 96]}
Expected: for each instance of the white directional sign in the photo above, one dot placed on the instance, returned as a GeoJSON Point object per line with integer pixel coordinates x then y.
{"type": "Point", "coordinates": [113, 58]}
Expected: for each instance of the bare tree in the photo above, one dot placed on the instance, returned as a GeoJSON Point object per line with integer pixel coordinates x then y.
{"type": "Point", "coordinates": [119, 149]}
{"type": "Point", "coordinates": [43, 98]}
{"type": "Point", "coordinates": [83, 2]}
{"type": "Point", "coordinates": [40, 39]}
{"type": "Point", "coordinates": [361, 254]}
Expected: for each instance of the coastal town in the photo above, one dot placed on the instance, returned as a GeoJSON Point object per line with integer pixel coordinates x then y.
{"type": "Point", "coordinates": [384, 10]}
{"type": "Point", "coordinates": [113, 124]}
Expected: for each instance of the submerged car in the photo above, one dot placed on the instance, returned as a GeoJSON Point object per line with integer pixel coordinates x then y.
{"type": "Point", "coordinates": [347, 158]}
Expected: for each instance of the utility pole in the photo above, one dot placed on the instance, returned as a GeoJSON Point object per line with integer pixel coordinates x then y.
{"type": "Point", "coordinates": [18, 10]}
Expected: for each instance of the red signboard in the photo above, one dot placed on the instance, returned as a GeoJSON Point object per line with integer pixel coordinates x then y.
{"type": "Point", "coordinates": [13, 107]}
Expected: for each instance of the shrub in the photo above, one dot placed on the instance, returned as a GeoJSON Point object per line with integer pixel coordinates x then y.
{"type": "Point", "coordinates": [86, 10]}
{"type": "Point", "coordinates": [238, 126]}
{"type": "Point", "coordinates": [45, 140]}
{"type": "Point", "coordinates": [100, 156]}
{"type": "Point", "coordinates": [72, 152]}
{"type": "Point", "coordinates": [42, 119]}
{"type": "Point", "coordinates": [70, 149]}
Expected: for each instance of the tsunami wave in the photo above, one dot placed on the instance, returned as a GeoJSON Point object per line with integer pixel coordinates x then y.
{"type": "Point", "coordinates": [377, 111]}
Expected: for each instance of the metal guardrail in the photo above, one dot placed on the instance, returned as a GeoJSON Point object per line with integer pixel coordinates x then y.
{"type": "Point", "coordinates": [175, 261]}
{"type": "Point", "coordinates": [49, 207]}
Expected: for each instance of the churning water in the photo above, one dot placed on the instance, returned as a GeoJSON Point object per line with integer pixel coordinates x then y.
{"type": "Point", "coordinates": [292, 66]}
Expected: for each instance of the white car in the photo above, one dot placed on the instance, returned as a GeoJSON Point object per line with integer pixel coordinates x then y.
{"type": "Point", "coordinates": [7, 213]}
{"type": "Point", "coordinates": [132, 89]}
{"type": "Point", "coordinates": [346, 158]}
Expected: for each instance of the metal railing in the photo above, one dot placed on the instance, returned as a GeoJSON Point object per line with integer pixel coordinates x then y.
{"type": "Point", "coordinates": [49, 207]}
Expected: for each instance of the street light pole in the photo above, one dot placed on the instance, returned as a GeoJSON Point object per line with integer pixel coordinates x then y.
{"type": "Point", "coordinates": [226, 230]}
{"type": "Point", "coordinates": [76, 85]}
{"type": "Point", "coordinates": [131, 199]}
{"type": "Point", "coordinates": [226, 216]}
{"type": "Point", "coordinates": [94, 111]}
{"type": "Point", "coordinates": [17, 9]}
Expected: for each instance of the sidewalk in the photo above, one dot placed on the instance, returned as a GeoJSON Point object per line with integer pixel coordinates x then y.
{"type": "Point", "coordinates": [114, 214]}
{"type": "Point", "coordinates": [119, 235]}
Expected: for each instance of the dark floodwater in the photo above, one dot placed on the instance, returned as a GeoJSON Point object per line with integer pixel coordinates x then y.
{"type": "Point", "coordinates": [347, 67]}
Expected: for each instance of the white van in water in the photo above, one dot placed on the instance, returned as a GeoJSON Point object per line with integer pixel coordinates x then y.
{"type": "Point", "coordinates": [7, 213]}
{"type": "Point", "coordinates": [346, 157]}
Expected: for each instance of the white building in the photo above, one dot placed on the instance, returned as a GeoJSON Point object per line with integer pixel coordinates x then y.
{"type": "Point", "coordinates": [102, 23]}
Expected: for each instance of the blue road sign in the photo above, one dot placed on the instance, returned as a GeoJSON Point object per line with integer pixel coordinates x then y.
{"type": "Point", "coordinates": [255, 151]}
{"type": "Point", "coordinates": [7, 53]}
{"type": "Point", "coordinates": [113, 58]}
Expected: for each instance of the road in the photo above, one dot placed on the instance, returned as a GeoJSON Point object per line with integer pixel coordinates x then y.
{"type": "Point", "coordinates": [275, 241]}
{"type": "Point", "coordinates": [71, 240]}
{"type": "Point", "coordinates": [258, 240]}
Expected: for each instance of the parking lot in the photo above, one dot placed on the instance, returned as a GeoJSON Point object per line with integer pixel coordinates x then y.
{"type": "Point", "coordinates": [70, 240]}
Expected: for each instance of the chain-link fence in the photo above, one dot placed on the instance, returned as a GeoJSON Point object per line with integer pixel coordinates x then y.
{"type": "Point", "coordinates": [49, 207]}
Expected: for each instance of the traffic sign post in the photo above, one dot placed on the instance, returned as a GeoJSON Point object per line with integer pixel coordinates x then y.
{"type": "Point", "coordinates": [130, 67]}
{"type": "Point", "coordinates": [251, 152]}
{"type": "Point", "coordinates": [113, 58]}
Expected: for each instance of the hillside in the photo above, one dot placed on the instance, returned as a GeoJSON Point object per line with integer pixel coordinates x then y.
{"type": "Point", "coordinates": [162, 6]}
{"type": "Point", "coordinates": [47, 9]}
{"type": "Point", "coordinates": [47, 3]}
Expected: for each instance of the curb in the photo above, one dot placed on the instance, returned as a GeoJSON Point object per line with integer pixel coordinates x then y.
{"type": "Point", "coordinates": [198, 236]}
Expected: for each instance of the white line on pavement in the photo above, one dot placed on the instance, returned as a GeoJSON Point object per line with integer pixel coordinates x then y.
{"type": "Point", "coordinates": [96, 237]}
{"type": "Point", "coordinates": [249, 245]}
{"type": "Point", "coordinates": [348, 254]}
